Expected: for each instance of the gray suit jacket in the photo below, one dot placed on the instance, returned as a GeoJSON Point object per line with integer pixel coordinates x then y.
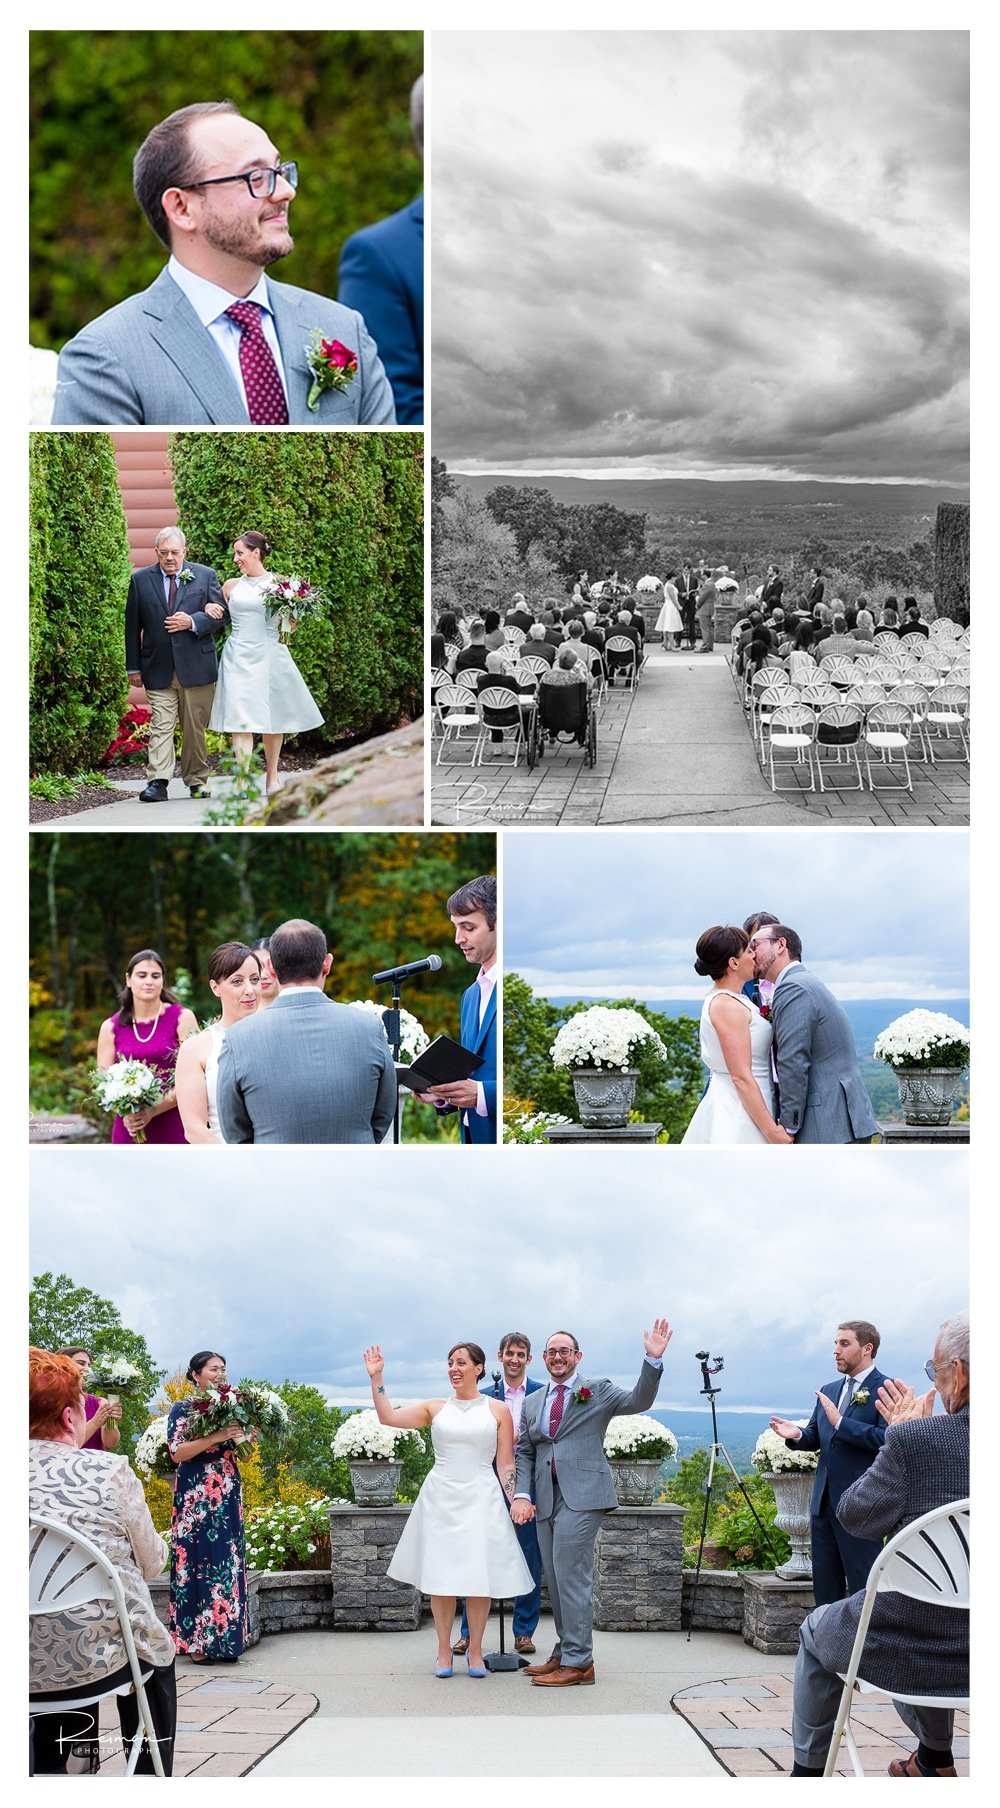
{"type": "Point", "coordinates": [306, 1070]}
{"type": "Point", "coordinates": [912, 1647]}
{"type": "Point", "coordinates": [149, 360]}
{"type": "Point", "coordinates": [581, 1465]}
{"type": "Point", "coordinates": [821, 1093]}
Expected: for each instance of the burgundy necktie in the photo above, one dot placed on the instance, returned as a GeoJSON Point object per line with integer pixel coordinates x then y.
{"type": "Point", "coordinates": [266, 403]}
{"type": "Point", "coordinates": [555, 1416]}
{"type": "Point", "coordinates": [171, 594]}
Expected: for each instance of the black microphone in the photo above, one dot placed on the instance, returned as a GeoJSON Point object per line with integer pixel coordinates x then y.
{"type": "Point", "coordinates": [431, 965]}
{"type": "Point", "coordinates": [496, 1379]}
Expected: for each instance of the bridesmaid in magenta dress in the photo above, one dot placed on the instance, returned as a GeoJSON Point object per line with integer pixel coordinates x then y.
{"type": "Point", "coordinates": [105, 1435]}
{"type": "Point", "coordinates": [149, 1026]}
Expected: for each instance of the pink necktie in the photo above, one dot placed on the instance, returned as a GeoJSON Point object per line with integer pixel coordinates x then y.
{"type": "Point", "coordinates": [266, 403]}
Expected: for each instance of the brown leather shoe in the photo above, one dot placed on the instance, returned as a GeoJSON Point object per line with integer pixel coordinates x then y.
{"type": "Point", "coordinates": [551, 1663]}
{"type": "Point", "coordinates": [461, 1648]}
{"type": "Point", "coordinates": [565, 1676]}
{"type": "Point", "coordinates": [909, 1767]}
{"type": "Point", "coordinates": [524, 1644]}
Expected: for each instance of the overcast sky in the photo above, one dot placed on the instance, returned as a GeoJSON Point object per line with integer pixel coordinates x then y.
{"type": "Point", "coordinates": [702, 253]}
{"type": "Point", "coordinates": [882, 914]}
{"type": "Point", "coordinates": [296, 1259]}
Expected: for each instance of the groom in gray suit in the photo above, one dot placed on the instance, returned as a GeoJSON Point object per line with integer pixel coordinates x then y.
{"type": "Point", "coordinates": [214, 341]}
{"type": "Point", "coordinates": [821, 1095]}
{"type": "Point", "coordinates": [306, 1070]}
{"type": "Point", "coordinates": [561, 1461]}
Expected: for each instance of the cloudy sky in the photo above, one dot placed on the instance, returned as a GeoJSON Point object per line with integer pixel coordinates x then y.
{"type": "Point", "coordinates": [701, 253]}
{"type": "Point", "coordinates": [299, 1258]}
{"type": "Point", "coordinates": [882, 914]}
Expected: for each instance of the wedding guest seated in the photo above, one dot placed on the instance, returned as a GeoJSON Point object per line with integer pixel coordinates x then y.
{"type": "Point", "coordinates": [518, 615]}
{"type": "Point", "coordinates": [499, 670]}
{"type": "Point", "coordinates": [568, 669]}
{"type": "Point", "coordinates": [864, 628]}
{"type": "Point", "coordinates": [913, 622]}
{"type": "Point", "coordinates": [888, 621]}
{"type": "Point", "coordinates": [781, 632]}
{"type": "Point", "coordinates": [801, 661]}
{"type": "Point", "coordinates": [592, 635]}
{"type": "Point", "coordinates": [848, 611]}
{"type": "Point", "coordinates": [553, 629]}
{"type": "Point", "coordinates": [495, 636]}
{"type": "Point", "coordinates": [823, 618]}
{"type": "Point", "coordinates": [754, 625]}
{"type": "Point", "coordinates": [80, 1649]}
{"type": "Point", "coordinates": [536, 645]}
{"type": "Point", "coordinates": [575, 642]}
{"type": "Point", "coordinates": [448, 629]}
{"type": "Point", "coordinates": [840, 644]}
{"type": "Point", "coordinates": [473, 657]}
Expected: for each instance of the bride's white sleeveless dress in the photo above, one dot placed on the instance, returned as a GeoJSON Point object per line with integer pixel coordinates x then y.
{"type": "Point", "coordinates": [720, 1117]}
{"type": "Point", "coordinates": [458, 1538]}
{"type": "Point", "coordinates": [260, 689]}
{"type": "Point", "coordinates": [218, 1036]}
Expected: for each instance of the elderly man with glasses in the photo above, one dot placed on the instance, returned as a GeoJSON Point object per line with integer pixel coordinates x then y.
{"type": "Point", "coordinates": [215, 341]}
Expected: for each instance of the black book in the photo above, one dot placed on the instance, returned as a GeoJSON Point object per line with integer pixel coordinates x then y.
{"type": "Point", "coordinates": [441, 1062]}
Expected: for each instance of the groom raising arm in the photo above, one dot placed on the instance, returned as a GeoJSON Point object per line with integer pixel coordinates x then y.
{"type": "Point", "coordinates": [560, 1459]}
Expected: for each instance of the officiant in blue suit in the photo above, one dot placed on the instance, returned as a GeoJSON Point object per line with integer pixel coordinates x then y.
{"type": "Point", "coordinates": [473, 911]}
{"type": "Point", "coordinates": [382, 279]}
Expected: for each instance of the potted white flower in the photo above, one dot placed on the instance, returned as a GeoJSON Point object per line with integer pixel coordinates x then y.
{"type": "Point", "coordinates": [608, 1049]}
{"type": "Point", "coordinates": [791, 1473]}
{"type": "Point", "coordinates": [370, 1450]}
{"type": "Point", "coordinates": [635, 1446]}
{"type": "Point", "coordinates": [928, 1052]}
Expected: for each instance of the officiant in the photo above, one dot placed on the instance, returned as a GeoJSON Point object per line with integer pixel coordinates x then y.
{"type": "Point", "coordinates": [473, 911]}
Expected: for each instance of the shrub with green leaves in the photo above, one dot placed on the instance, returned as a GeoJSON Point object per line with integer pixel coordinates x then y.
{"type": "Point", "coordinates": [287, 1536]}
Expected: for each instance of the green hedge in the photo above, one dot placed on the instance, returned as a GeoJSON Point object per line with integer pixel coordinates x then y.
{"type": "Point", "coordinates": [337, 102]}
{"type": "Point", "coordinates": [951, 559]}
{"type": "Point", "coordinates": [346, 511]}
{"type": "Point", "coordinates": [79, 581]}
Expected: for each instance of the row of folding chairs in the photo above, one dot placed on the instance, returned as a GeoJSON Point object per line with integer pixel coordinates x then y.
{"type": "Point", "coordinates": [829, 738]}
{"type": "Point", "coordinates": [491, 712]}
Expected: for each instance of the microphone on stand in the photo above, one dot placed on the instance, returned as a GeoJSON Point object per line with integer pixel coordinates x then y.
{"type": "Point", "coordinates": [391, 974]}
{"type": "Point", "coordinates": [496, 1379]}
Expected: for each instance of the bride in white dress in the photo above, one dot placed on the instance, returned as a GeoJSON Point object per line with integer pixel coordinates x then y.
{"type": "Point", "coordinates": [234, 976]}
{"type": "Point", "coordinates": [670, 620]}
{"type": "Point", "coordinates": [738, 1106]}
{"type": "Point", "coordinates": [458, 1538]}
{"type": "Point", "coordinates": [260, 689]}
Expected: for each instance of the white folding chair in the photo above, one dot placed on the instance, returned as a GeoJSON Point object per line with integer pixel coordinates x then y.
{"type": "Point", "coordinates": [838, 735]}
{"type": "Point", "coordinates": [65, 1570]}
{"type": "Point", "coordinates": [456, 709]}
{"type": "Point", "coordinates": [948, 710]}
{"type": "Point", "coordinates": [500, 713]}
{"type": "Point", "coordinates": [927, 1561]}
{"type": "Point", "coordinates": [792, 730]}
{"type": "Point", "coordinates": [888, 728]}
{"type": "Point", "coordinates": [625, 660]}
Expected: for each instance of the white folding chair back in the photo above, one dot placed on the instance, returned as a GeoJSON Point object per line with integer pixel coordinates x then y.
{"type": "Point", "coordinates": [887, 734]}
{"type": "Point", "coordinates": [455, 705]}
{"type": "Point", "coordinates": [792, 730]}
{"type": "Point", "coordinates": [514, 636]}
{"type": "Point", "coordinates": [838, 734]}
{"type": "Point", "coordinates": [500, 712]}
{"type": "Point", "coordinates": [927, 1561]}
{"type": "Point", "coordinates": [948, 710]}
{"type": "Point", "coordinates": [534, 663]}
{"type": "Point", "coordinates": [65, 1570]}
{"type": "Point", "coordinates": [623, 648]}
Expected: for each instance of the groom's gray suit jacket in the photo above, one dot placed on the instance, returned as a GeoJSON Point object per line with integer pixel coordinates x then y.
{"type": "Point", "coordinates": [822, 1097]}
{"type": "Point", "coordinates": [149, 360]}
{"type": "Point", "coordinates": [306, 1070]}
{"type": "Point", "coordinates": [585, 1481]}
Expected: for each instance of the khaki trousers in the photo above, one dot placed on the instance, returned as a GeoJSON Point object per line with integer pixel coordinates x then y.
{"type": "Point", "coordinates": [191, 705]}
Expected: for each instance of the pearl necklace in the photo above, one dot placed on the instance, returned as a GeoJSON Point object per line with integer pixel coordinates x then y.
{"type": "Point", "coordinates": [152, 1029]}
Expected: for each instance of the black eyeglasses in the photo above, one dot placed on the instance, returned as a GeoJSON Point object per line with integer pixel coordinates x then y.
{"type": "Point", "coordinates": [260, 182]}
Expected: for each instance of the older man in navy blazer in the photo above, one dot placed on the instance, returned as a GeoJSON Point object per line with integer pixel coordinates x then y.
{"type": "Point", "coordinates": [382, 278]}
{"type": "Point", "coordinates": [848, 1432]}
{"type": "Point", "coordinates": [473, 910]}
{"type": "Point", "coordinates": [173, 611]}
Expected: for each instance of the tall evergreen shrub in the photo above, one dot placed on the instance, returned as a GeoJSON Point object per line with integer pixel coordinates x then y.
{"type": "Point", "coordinates": [79, 686]}
{"type": "Point", "coordinates": [951, 559]}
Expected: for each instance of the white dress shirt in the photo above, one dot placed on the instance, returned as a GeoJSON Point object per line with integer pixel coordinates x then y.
{"type": "Point", "coordinates": [210, 303]}
{"type": "Point", "coordinates": [487, 982]}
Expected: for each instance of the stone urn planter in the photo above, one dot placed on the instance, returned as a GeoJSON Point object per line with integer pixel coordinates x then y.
{"type": "Point", "coordinates": [927, 1094]}
{"type": "Point", "coordinates": [793, 1490]}
{"type": "Point", "coordinates": [634, 1479]}
{"type": "Point", "coordinates": [375, 1480]}
{"type": "Point", "coordinates": [604, 1096]}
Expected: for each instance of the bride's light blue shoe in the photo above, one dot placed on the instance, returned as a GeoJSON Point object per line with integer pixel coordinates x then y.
{"type": "Point", "coordinates": [476, 1673]}
{"type": "Point", "coordinates": [449, 1671]}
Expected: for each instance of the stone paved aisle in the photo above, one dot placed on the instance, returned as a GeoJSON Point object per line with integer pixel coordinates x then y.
{"type": "Point", "coordinates": [226, 1721]}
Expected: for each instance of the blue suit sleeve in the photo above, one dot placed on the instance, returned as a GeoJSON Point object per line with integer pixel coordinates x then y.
{"type": "Point", "coordinates": [865, 1436]}
{"type": "Point", "coordinates": [810, 1434]}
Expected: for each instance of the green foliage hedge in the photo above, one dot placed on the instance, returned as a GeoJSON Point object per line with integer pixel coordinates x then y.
{"type": "Point", "coordinates": [346, 511]}
{"type": "Point", "coordinates": [337, 102]}
{"type": "Point", "coordinates": [951, 560]}
{"type": "Point", "coordinates": [79, 580]}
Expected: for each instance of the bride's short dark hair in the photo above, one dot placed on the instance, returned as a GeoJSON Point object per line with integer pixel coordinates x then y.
{"type": "Point", "coordinates": [717, 947]}
{"type": "Point", "coordinates": [475, 1351]}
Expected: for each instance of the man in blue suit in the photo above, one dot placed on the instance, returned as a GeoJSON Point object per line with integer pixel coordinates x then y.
{"type": "Point", "coordinates": [473, 910]}
{"type": "Point", "coordinates": [512, 1386]}
{"type": "Point", "coordinates": [848, 1432]}
{"type": "Point", "coordinates": [382, 278]}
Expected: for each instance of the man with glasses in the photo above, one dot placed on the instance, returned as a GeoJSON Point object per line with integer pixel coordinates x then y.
{"type": "Point", "coordinates": [565, 1485]}
{"type": "Point", "coordinates": [848, 1432]}
{"type": "Point", "coordinates": [912, 1647]}
{"type": "Point", "coordinates": [821, 1095]}
{"type": "Point", "coordinates": [214, 340]}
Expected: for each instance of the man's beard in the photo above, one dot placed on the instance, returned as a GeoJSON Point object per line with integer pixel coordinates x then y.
{"type": "Point", "coordinates": [244, 239]}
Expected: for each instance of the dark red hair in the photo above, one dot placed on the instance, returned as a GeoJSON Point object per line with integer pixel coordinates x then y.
{"type": "Point", "coordinates": [54, 1382]}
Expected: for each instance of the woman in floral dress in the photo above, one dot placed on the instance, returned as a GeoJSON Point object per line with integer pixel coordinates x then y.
{"type": "Point", "coordinates": [208, 1579]}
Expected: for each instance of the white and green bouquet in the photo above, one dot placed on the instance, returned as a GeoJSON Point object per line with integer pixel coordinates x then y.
{"type": "Point", "coordinates": [602, 1036]}
{"type": "Point", "coordinates": [364, 1437]}
{"type": "Point", "coordinates": [128, 1086]}
{"type": "Point", "coordinates": [152, 1452]}
{"type": "Point", "coordinates": [639, 1437]}
{"type": "Point", "coordinates": [923, 1039]}
{"type": "Point", "coordinates": [112, 1377]}
{"type": "Point", "coordinates": [772, 1456]}
{"type": "Point", "coordinates": [413, 1038]}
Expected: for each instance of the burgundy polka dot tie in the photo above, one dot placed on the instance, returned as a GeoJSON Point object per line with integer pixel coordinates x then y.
{"type": "Point", "coordinates": [266, 404]}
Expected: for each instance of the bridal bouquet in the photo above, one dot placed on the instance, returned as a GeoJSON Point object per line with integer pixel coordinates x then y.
{"type": "Point", "coordinates": [128, 1086]}
{"type": "Point", "coordinates": [364, 1437]}
{"type": "Point", "coordinates": [250, 1406]}
{"type": "Point", "coordinates": [413, 1038]}
{"type": "Point", "coordinates": [923, 1039]}
{"type": "Point", "coordinates": [604, 1037]}
{"type": "Point", "coordinates": [637, 1435]}
{"type": "Point", "coordinates": [113, 1376]}
{"type": "Point", "coordinates": [772, 1456]}
{"type": "Point", "coordinates": [290, 601]}
{"type": "Point", "coordinates": [152, 1453]}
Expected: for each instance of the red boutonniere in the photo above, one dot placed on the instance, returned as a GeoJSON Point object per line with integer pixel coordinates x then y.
{"type": "Point", "coordinates": [331, 366]}
{"type": "Point", "coordinates": [765, 1011]}
{"type": "Point", "coordinates": [582, 1395]}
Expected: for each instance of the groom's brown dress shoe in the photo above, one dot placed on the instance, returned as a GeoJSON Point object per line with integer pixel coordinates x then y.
{"type": "Point", "coordinates": [911, 1767]}
{"type": "Point", "coordinates": [460, 1647]}
{"type": "Point", "coordinates": [565, 1676]}
{"type": "Point", "coordinates": [550, 1664]}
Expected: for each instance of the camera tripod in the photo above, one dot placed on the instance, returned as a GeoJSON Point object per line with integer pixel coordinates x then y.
{"type": "Point", "coordinates": [710, 1367]}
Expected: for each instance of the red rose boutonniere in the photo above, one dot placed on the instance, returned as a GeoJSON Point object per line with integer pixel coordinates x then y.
{"type": "Point", "coordinates": [331, 366]}
{"type": "Point", "coordinates": [765, 1011]}
{"type": "Point", "coordinates": [582, 1395]}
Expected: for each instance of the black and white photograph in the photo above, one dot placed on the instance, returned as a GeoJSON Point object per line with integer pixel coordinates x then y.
{"type": "Point", "coordinates": [700, 538]}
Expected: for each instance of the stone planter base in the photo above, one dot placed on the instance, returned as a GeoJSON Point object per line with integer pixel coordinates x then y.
{"type": "Point", "coordinates": [604, 1097]}
{"type": "Point", "coordinates": [635, 1480]}
{"type": "Point", "coordinates": [631, 1135]}
{"type": "Point", "coordinates": [927, 1094]}
{"type": "Point", "coordinates": [375, 1480]}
